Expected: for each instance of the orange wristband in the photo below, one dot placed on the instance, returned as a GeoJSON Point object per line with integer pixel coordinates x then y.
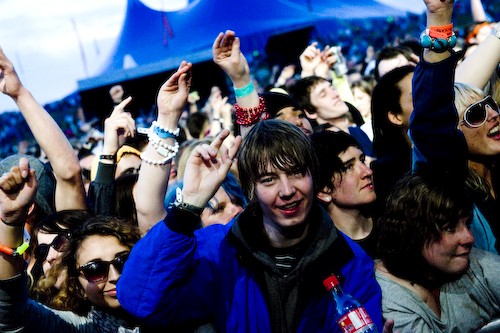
{"type": "Point", "coordinates": [443, 31]}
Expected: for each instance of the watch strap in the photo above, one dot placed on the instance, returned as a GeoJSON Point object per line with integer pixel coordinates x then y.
{"type": "Point", "coordinates": [181, 205]}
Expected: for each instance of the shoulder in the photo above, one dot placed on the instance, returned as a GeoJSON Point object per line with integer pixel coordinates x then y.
{"type": "Point", "coordinates": [484, 263]}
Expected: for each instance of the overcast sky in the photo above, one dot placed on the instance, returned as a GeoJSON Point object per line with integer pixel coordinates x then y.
{"type": "Point", "coordinates": [43, 37]}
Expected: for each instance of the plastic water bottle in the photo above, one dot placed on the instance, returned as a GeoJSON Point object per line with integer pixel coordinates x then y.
{"type": "Point", "coordinates": [351, 315]}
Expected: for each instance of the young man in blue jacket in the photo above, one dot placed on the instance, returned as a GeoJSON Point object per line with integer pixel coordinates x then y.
{"type": "Point", "coordinates": [263, 271]}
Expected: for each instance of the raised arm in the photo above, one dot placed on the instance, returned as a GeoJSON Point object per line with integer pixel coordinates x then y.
{"type": "Point", "coordinates": [227, 55]}
{"type": "Point", "coordinates": [478, 67]}
{"type": "Point", "coordinates": [17, 192]}
{"type": "Point", "coordinates": [438, 143]}
{"type": "Point", "coordinates": [149, 193]}
{"type": "Point", "coordinates": [310, 59]}
{"type": "Point", "coordinates": [477, 11]}
{"type": "Point", "coordinates": [170, 293]}
{"type": "Point", "coordinates": [206, 168]}
{"type": "Point", "coordinates": [70, 193]}
{"type": "Point", "coordinates": [117, 126]}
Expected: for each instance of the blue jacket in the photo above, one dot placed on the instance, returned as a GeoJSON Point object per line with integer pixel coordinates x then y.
{"type": "Point", "coordinates": [222, 274]}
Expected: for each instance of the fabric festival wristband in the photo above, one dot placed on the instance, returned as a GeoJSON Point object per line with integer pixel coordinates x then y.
{"type": "Point", "coordinates": [244, 91]}
{"type": "Point", "coordinates": [444, 31]}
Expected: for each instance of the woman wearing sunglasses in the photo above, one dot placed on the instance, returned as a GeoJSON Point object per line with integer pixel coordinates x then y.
{"type": "Point", "coordinates": [94, 261]}
{"type": "Point", "coordinates": [431, 276]}
{"type": "Point", "coordinates": [479, 122]}
{"type": "Point", "coordinates": [50, 238]}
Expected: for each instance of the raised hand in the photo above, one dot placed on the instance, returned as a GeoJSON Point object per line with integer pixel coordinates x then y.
{"type": "Point", "coordinates": [174, 92]}
{"type": "Point", "coordinates": [227, 55]}
{"type": "Point", "coordinates": [10, 84]}
{"type": "Point", "coordinates": [206, 168]}
{"type": "Point", "coordinates": [436, 6]}
{"type": "Point", "coordinates": [17, 192]}
{"type": "Point", "coordinates": [310, 58]}
{"type": "Point", "coordinates": [119, 124]}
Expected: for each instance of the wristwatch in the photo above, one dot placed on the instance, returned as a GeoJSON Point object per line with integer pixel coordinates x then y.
{"type": "Point", "coordinates": [181, 205]}
{"type": "Point", "coordinates": [108, 157]}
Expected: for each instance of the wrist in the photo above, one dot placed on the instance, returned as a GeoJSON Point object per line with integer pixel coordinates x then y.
{"type": "Point", "coordinates": [438, 19]}
{"type": "Point", "coordinates": [306, 73]}
{"type": "Point", "coordinates": [241, 82]}
{"type": "Point", "coordinates": [13, 220]}
{"type": "Point", "coordinates": [16, 243]}
{"type": "Point", "coordinates": [496, 32]}
{"type": "Point", "coordinates": [21, 95]}
{"type": "Point", "coordinates": [169, 121]}
{"type": "Point", "coordinates": [193, 204]}
{"type": "Point", "coordinates": [107, 158]}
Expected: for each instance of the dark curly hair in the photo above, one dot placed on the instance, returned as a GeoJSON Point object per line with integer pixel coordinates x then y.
{"type": "Point", "coordinates": [72, 295]}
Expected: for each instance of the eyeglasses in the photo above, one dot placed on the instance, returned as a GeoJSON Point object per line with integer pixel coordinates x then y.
{"type": "Point", "coordinates": [59, 244]}
{"type": "Point", "coordinates": [98, 270]}
{"type": "Point", "coordinates": [477, 114]}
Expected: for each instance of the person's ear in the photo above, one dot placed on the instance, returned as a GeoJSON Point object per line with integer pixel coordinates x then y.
{"type": "Point", "coordinates": [325, 195]}
{"type": "Point", "coordinates": [395, 118]}
{"type": "Point", "coordinates": [311, 115]}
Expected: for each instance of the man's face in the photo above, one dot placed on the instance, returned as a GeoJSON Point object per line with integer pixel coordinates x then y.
{"type": "Point", "coordinates": [327, 103]}
{"type": "Point", "coordinates": [285, 198]}
{"type": "Point", "coordinates": [354, 187]}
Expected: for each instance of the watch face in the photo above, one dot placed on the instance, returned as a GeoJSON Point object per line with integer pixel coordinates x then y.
{"type": "Point", "coordinates": [178, 197]}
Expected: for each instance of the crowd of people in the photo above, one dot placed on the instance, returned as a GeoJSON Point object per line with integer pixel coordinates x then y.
{"type": "Point", "coordinates": [228, 216]}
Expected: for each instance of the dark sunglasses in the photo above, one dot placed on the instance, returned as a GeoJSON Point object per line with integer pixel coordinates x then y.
{"type": "Point", "coordinates": [60, 243]}
{"type": "Point", "coordinates": [98, 270]}
{"type": "Point", "coordinates": [477, 114]}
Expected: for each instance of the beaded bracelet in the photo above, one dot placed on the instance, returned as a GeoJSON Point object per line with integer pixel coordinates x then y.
{"type": "Point", "coordinates": [250, 116]}
{"type": "Point", "coordinates": [166, 150]}
{"type": "Point", "coordinates": [19, 251]}
{"type": "Point", "coordinates": [159, 130]}
{"type": "Point", "coordinates": [162, 148]}
{"type": "Point", "coordinates": [164, 161]}
{"type": "Point", "coordinates": [438, 45]}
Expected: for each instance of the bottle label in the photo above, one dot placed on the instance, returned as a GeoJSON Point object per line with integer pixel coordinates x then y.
{"type": "Point", "coordinates": [354, 320]}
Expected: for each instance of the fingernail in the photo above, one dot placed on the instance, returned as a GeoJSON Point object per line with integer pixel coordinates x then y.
{"type": "Point", "coordinates": [24, 173]}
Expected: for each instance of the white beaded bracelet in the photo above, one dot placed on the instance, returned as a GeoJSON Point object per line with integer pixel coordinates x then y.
{"type": "Point", "coordinates": [156, 140]}
{"type": "Point", "coordinates": [166, 150]}
{"type": "Point", "coordinates": [164, 161]}
{"type": "Point", "coordinates": [155, 127]}
{"type": "Point", "coordinates": [163, 129]}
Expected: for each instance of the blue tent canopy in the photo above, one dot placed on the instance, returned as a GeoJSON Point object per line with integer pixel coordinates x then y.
{"type": "Point", "coordinates": [153, 41]}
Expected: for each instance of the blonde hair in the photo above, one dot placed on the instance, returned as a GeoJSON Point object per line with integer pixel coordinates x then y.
{"type": "Point", "coordinates": [465, 95]}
